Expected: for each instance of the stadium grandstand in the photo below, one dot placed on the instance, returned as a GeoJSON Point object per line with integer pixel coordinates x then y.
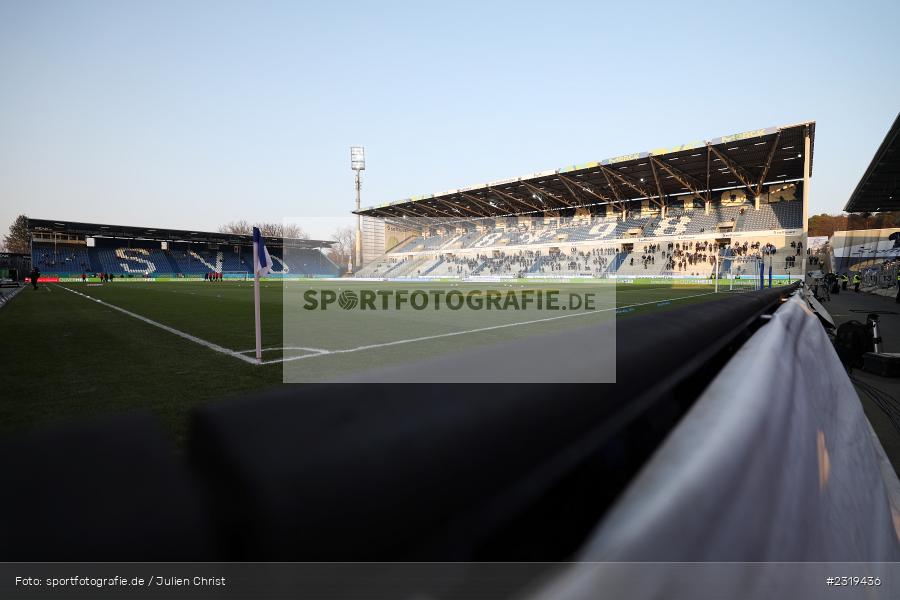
{"type": "Point", "coordinates": [873, 253]}
{"type": "Point", "coordinates": [65, 249]}
{"type": "Point", "coordinates": [686, 211]}
{"type": "Point", "coordinates": [877, 189]}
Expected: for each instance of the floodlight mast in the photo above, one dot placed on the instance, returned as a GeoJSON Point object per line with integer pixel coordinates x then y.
{"type": "Point", "coordinates": [358, 164]}
{"type": "Point", "coordinates": [807, 147]}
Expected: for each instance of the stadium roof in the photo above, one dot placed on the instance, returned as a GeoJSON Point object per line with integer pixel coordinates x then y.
{"type": "Point", "coordinates": [878, 190]}
{"type": "Point", "coordinates": [169, 235]}
{"type": "Point", "coordinates": [745, 160]}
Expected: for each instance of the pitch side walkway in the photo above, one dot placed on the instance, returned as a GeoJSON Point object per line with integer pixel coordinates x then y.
{"type": "Point", "coordinates": [8, 293]}
{"type": "Point", "coordinates": [850, 306]}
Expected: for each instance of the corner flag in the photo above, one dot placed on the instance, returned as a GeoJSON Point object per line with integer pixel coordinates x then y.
{"type": "Point", "coordinates": [262, 263]}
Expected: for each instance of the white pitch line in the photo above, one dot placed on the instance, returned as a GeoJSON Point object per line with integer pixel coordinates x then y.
{"type": "Point", "coordinates": [318, 350]}
{"type": "Point", "coordinates": [322, 352]}
{"type": "Point", "coordinates": [480, 329]}
{"type": "Point", "coordinates": [177, 332]}
{"type": "Point", "coordinates": [653, 289]}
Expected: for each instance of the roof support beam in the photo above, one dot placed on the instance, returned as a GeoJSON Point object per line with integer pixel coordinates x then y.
{"type": "Point", "coordinates": [738, 172]}
{"type": "Point", "coordinates": [408, 213]}
{"type": "Point", "coordinates": [509, 197]}
{"type": "Point", "coordinates": [538, 191]}
{"type": "Point", "coordinates": [573, 182]}
{"type": "Point", "coordinates": [632, 184]}
{"type": "Point", "coordinates": [680, 176]}
{"type": "Point", "coordinates": [768, 163]}
{"type": "Point", "coordinates": [570, 186]}
{"type": "Point", "coordinates": [572, 192]}
{"type": "Point", "coordinates": [615, 190]}
{"type": "Point", "coordinates": [459, 208]}
{"type": "Point", "coordinates": [482, 203]}
{"type": "Point", "coordinates": [656, 179]}
{"type": "Point", "coordinates": [423, 207]}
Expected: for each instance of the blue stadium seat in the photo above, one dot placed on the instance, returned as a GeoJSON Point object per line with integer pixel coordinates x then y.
{"type": "Point", "coordinates": [193, 260]}
{"type": "Point", "coordinates": [60, 259]}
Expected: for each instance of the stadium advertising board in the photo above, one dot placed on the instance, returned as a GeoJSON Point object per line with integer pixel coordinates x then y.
{"type": "Point", "coordinates": [867, 243]}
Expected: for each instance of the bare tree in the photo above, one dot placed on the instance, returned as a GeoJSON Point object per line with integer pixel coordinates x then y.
{"type": "Point", "coordinates": [341, 253]}
{"type": "Point", "coordinates": [269, 230]}
{"type": "Point", "coordinates": [242, 227]}
{"type": "Point", "coordinates": [17, 238]}
{"type": "Point", "coordinates": [293, 231]}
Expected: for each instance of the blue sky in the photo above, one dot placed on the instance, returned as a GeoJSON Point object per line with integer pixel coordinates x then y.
{"type": "Point", "coordinates": [192, 114]}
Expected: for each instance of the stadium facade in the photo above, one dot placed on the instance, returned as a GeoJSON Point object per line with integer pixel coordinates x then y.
{"type": "Point", "coordinates": [684, 212]}
{"type": "Point", "coordinates": [65, 249]}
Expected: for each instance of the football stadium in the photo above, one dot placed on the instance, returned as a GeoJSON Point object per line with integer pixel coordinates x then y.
{"type": "Point", "coordinates": [656, 375]}
{"type": "Point", "coordinates": [646, 232]}
{"type": "Point", "coordinates": [697, 247]}
{"type": "Point", "coordinates": [594, 268]}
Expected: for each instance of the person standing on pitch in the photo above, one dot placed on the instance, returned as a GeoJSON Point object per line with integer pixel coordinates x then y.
{"type": "Point", "coordinates": [856, 281]}
{"type": "Point", "coordinates": [34, 275]}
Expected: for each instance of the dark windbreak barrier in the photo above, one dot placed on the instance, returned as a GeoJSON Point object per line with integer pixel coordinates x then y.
{"type": "Point", "coordinates": [344, 471]}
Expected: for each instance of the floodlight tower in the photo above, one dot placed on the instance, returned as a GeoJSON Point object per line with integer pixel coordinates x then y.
{"type": "Point", "coordinates": [358, 164]}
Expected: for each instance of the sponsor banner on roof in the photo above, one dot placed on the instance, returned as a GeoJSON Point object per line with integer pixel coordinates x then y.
{"type": "Point", "coordinates": [624, 157]}
{"type": "Point", "coordinates": [743, 136]}
{"type": "Point", "coordinates": [681, 148]}
{"type": "Point", "coordinates": [589, 165]}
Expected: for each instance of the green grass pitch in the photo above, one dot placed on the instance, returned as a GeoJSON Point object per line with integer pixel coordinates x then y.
{"type": "Point", "coordinates": [68, 354]}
